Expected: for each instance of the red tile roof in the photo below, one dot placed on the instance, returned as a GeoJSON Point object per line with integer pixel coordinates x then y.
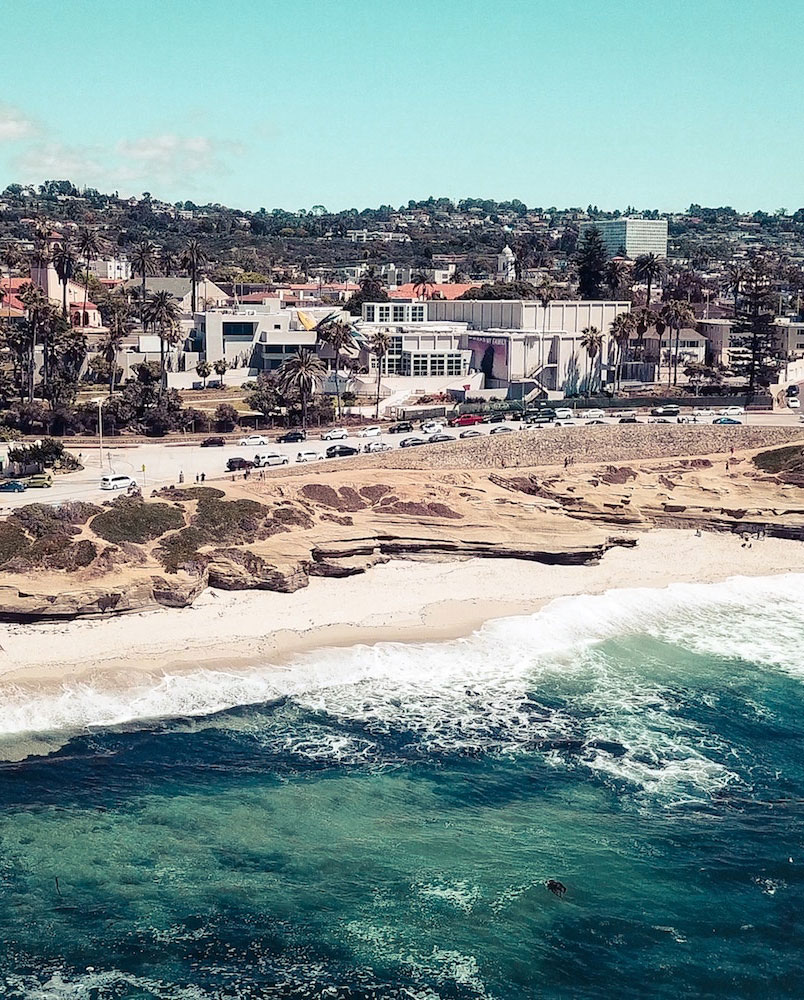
{"type": "Point", "coordinates": [446, 290]}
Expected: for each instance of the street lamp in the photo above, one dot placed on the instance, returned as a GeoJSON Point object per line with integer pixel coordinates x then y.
{"type": "Point", "coordinates": [100, 401]}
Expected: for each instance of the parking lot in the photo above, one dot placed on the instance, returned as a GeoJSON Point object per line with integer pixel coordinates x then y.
{"type": "Point", "coordinates": [170, 462]}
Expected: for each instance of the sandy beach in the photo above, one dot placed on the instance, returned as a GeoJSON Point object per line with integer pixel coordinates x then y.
{"type": "Point", "coordinates": [402, 601]}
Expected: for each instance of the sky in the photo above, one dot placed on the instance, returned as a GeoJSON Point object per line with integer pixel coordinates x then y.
{"type": "Point", "coordinates": [357, 103]}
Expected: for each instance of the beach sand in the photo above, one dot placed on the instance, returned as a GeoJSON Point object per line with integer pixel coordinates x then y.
{"type": "Point", "coordinates": [408, 601]}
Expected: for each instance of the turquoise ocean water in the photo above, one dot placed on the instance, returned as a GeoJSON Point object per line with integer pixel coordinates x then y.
{"type": "Point", "coordinates": [380, 822]}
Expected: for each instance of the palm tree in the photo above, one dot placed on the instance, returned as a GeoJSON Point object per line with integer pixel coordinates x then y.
{"type": "Point", "coordinates": [11, 258]}
{"type": "Point", "coordinates": [338, 335]}
{"type": "Point", "coordinates": [193, 259]}
{"type": "Point", "coordinates": [372, 285]}
{"type": "Point", "coordinates": [615, 275]}
{"type": "Point", "coordinates": [421, 285]}
{"type": "Point", "coordinates": [622, 328]}
{"type": "Point", "coordinates": [299, 375]}
{"type": "Point", "coordinates": [591, 342]}
{"type": "Point", "coordinates": [736, 274]}
{"type": "Point", "coordinates": [118, 322]}
{"type": "Point", "coordinates": [220, 367]}
{"type": "Point", "coordinates": [89, 246]}
{"type": "Point", "coordinates": [36, 304]}
{"type": "Point", "coordinates": [203, 370]}
{"type": "Point", "coordinates": [168, 260]}
{"type": "Point", "coordinates": [649, 268]}
{"type": "Point", "coordinates": [379, 345]}
{"type": "Point", "coordinates": [143, 263]}
{"type": "Point", "coordinates": [676, 315]}
{"type": "Point", "coordinates": [65, 262]}
{"type": "Point", "coordinates": [660, 326]}
{"type": "Point", "coordinates": [545, 292]}
{"type": "Point", "coordinates": [163, 313]}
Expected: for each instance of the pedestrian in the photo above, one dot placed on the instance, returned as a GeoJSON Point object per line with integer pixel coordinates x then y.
{"type": "Point", "coordinates": [203, 476]}
{"type": "Point", "coordinates": [196, 477]}
{"type": "Point", "coordinates": [727, 465]}
{"type": "Point", "coordinates": [181, 477]}
{"type": "Point", "coordinates": [566, 461]}
{"type": "Point", "coordinates": [732, 449]}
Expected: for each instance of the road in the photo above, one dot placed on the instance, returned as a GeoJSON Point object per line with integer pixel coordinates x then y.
{"type": "Point", "coordinates": [161, 463]}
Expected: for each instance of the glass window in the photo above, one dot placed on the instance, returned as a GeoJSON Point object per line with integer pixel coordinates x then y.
{"type": "Point", "coordinates": [399, 314]}
{"type": "Point", "coordinates": [417, 314]}
{"type": "Point", "coordinates": [384, 313]}
{"type": "Point", "coordinates": [369, 314]}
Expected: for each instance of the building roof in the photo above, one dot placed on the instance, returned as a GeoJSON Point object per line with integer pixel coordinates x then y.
{"type": "Point", "coordinates": [444, 290]}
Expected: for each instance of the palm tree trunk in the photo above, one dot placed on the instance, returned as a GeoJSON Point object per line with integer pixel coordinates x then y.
{"type": "Point", "coordinates": [162, 373]}
{"type": "Point", "coordinates": [675, 358]}
{"type": "Point", "coordinates": [647, 304]}
{"type": "Point", "coordinates": [379, 377]}
{"type": "Point", "coordinates": [338, 381]}
{"type": "Point", "coordinates": [64, 296]}
{"type": "Point", "coordinates": [142, 302]}
{"type": "Point", "coordinates": [304, 408]}
{"type": "Point", "coordinates": [192, 290]}
{"type": "Point", "coordinates": [112, 374]}
{"type": "Point", "coordinates": [86, 289]}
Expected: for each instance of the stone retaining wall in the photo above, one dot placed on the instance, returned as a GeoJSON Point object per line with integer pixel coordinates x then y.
{"type": "Point", "coordinates": [550, 445]}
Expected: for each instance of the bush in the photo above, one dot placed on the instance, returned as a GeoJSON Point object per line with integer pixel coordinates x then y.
{"type": "Point", "coordinates": [13, 541]}
{"type": "Point", "coordinates": [46, 452]}
{"type": "Point", "coordinates": [180, 550]}
{"type": "Point", "coordinates": [789, 459]}
{"type": "Point", "coordinates": [230, 521]}
{"type": "Point", "coordinates": [130, 520]}
{"type": "Point", "coordinates": [41, 520]}
{"type": "Point", "coordinates": [225, 417]}
{"type": "Point", "coordinates": [190, 493]}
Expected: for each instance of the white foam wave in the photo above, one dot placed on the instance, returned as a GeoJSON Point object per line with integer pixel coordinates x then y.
{"type": "Point", "coordinates": [482, 693]}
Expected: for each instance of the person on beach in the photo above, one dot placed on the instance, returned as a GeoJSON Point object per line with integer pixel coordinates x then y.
{"type": "Point", "coordinates": [181, 477]}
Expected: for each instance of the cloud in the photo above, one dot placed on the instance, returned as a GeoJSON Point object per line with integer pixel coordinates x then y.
{"type": "Point", "coordinates": [14, 125]}
{"type": "Point", "coordinates": [142, 163]}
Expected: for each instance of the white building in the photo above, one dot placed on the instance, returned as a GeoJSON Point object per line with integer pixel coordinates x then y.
{"type": "Point", "coordinates": [631, 237]}
{"type": "Point", "coordinates": [419, 348]}
{"type": "Point", "coordinates": [380, 235]}
{"type": "Point", "coordinates": [506, 265]}
{"type": "Point", "coordinates": [111, 269]}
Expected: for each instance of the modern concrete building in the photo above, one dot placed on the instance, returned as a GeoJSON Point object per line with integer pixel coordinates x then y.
{"type": "Point", "coordinates": [111, 269]}
{"type": "Point", "coordinates": [631, 237]}
{"type": "Point", "coordinates": [206, 291]}
{"type": "Point", "coordinates": [419, 348]}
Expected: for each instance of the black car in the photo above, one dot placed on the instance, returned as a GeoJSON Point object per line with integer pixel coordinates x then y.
{"type": "Point", "coordinates": [540, 417]}
{"type": "Point", "coordinates": [291, 437]}
{"type": "Point", "coordinates": [495, 418]}
{"type": "Point", "coordinates": [629, 420]}
{"type": "Point", "coordinates": [213, 442]}
{"type": "Point", "coordinates": [792, 390]}
{"type": "Point", "coordinates": [501, 430]}
{"type": "Point", "coordinates": [341, 451]}
{"type": "Point", "coordinates": [665, 411]}
{"type": "Point", "coordinates": [238, 464]}
{"type": "Point", "coordinates": [411, 442]}
{"type": "Point", "coordinates": [405, 427]}
{"type": "Point", "coordinates": [436, 438]}
{"type": "Point", "coordinates": [471, 434]}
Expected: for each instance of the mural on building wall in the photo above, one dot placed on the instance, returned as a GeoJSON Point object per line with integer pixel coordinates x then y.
{"type": "Point", "coordinates": [489, 357]}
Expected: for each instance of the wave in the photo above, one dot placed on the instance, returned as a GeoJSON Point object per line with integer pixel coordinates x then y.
{"type": "Point", "coordinates": [542, 683]}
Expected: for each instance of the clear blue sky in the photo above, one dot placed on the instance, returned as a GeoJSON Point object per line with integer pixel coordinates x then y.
{"type": "Point", "coordinates": [291, 103]}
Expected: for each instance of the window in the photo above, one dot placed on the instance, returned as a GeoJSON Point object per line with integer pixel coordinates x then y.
{"type": "Point", "coordinates": [384, 313]}
{"type": "Point", "coordinates": [417, 314]}
{"type": "Point", "coordinates": [396, 345]}
{"type": "Point", "coordinates": [369, 314]}
{"type": "Point", "coordinates": [399, 314]}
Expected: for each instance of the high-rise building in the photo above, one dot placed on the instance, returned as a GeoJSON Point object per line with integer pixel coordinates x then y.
{"type": "Point", "coordinates": [631, 237]}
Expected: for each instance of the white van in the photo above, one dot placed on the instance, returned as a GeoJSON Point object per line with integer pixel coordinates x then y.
{"type": "Point", "coordinates": [115, 482]}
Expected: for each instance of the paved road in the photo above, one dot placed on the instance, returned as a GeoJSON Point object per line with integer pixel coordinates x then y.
{"type": "Point", "coordinates": [164, 462]}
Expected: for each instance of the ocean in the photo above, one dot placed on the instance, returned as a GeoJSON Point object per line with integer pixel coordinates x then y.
{"type": "Point", "coordinates": [382, 821]}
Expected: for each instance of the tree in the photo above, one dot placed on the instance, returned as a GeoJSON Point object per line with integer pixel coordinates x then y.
{"type": "Point", "coordinates": [545, 292]}
{"type": "Point", "coordinates": [163, 313]}
{"type": "Point", "coordinates": [591, 342]}
{"type": "Point", "coordinates": [300, 375]}
{"type": "Point", "coordinates": [65, 263]}
{"type": "Point", "coordinates": [337, 335]}
{"type": "Point", "coordinates": [755, 327]}
{"type": "Point", "coordinates": [266, 395]}
{"type": "Point", "coordinates": [615, 276]}
{"type": "Point", "coordinates": [422, 285]}
{"type": "Point", "coordinates": [591, 259]}
{"type": "Point", "coordinates": [89, 246]}
{"type": "Point", "coordinates": [225, 417]}
{"type": "Point", "coordinates": [143, 263]}
{"type": "Point", "coordinates": [168, 260]}
{"type": "Point", "coordinates": [500, 290]}
{"type": "Point", "coordinates": [371, 288]}
{"type": "Point", "coordinates": [193, 259]}
{"type": "Point", "coordinates": [203, 370]}
{"type": "Point", "coordinates": [220, 367]}
{"type": "Point", "coordinates": [736, 274]}
{"type": "Point", "coordinates": [36, 304]}
{"type": "Point", "coordinates": [676, 315]}
{"type": "Point", "coordinates": [622, 329]}
{"type": "Point", "coordinates": [119, 322]}
{"type": "Point", "coordinates": [379, 345]}
{"type": "Point", "coordinates": [650, 269]}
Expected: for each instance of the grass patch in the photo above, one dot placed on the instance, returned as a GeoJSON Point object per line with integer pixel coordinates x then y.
{"type": "Point", "coordinates": [191, 493]}
{"type": "Point", "coordinates": [131, 520]}
{"type": "Point", "coordinates": [233, 522]}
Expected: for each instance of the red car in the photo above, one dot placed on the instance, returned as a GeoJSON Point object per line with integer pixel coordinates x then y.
{"type": "Point", "coordinates": [466, 420]}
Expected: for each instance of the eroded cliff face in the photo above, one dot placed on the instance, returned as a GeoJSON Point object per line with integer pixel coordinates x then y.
{"type": "Point", "coordinates": [81, 560]}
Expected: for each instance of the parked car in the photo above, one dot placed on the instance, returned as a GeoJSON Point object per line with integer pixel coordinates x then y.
{"type": "Point", "coordinates": [794, 402]}
{"type": "Point", "coordinates": [372, 431]}
{"type": "Point", "coordinates": [566, 422]}
{"type": "Point", "coordinates": [291, 437]}
{"type": "Point", "coordinates": [373, 446]}
{"type": "Point", "coordinates": [341, 451]}
{"type": "Point", "coordinates": [411, 442]}
{"type": "Point", "coordinates": [470, 434]}
{"type": "Point", "coordinates": [12, 486]}
{"type": "Point", "coordinates": [438, 438]}
{"type": "Point", "coordinates": [335, 434]}
{"type": "Point", "coordinates": [563, 413]}
{"type": "Point", "coordinates": [495, 418]}
{"type": "Point", "coordinates": [501, 430]}
{"type": "Point", "coordinates": [403, 427]}
{"type": "Point", "coordinates": [239, 464]}
{"type": "Point", "coordinates": [466, 420]}
{"type": "Point", "coordinates": [214, 383]}
{"type": "Point", "coordinates": [198, 385]}
{"type": "Point", "coordinates": [726, 420]}
{"type": "Point", "coordinates": [40, 481]}
{"type": "Point", "coordinates": [792, 390]}
{"type": "Point", "coordinates": [665, 411]}
{"type": "Point", "coordinates": [593, 414]}
{"type": "Point", "coordinates": [431, 427]}
{"type": "Point", "coordinates": [270, 458]}
{"type": "Point", "coordinates": [309, 456]}
{"type": "Point", "coordinates": [252, 440]}
{"type": "Point", "coordinates": [213, 442]}
{"type": "Point", "coordinates": [117, 482]}
{"type": "Point", "coordinates": [731, 411]}
{"type": "Point", "coordinates": [593, 422]}
{"type": "Point", "coordinates": [540, 417]}
{"type": "Point", "coordinates": [630, 419]}
{"type": "Point", "coordinates": [705, 411]}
